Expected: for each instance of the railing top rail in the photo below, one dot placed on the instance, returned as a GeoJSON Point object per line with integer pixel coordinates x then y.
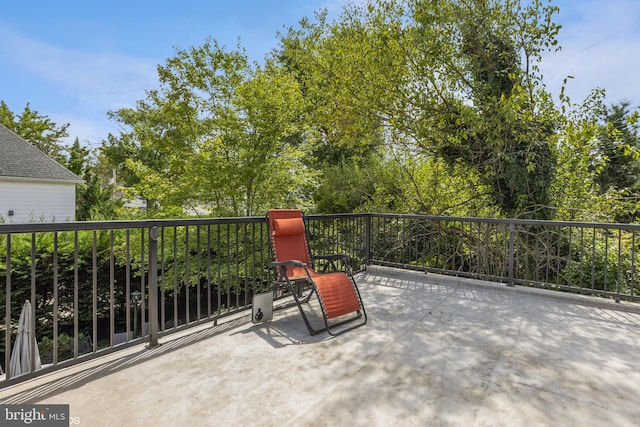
{"type": "Point", "coordinates": [111, 225]}
{"type": "Point", "coordinates": [128, 224]}
{"type": "Point", "coordinates": [338, 215]}
{"type": "Point", "coordinates": [514, 221]}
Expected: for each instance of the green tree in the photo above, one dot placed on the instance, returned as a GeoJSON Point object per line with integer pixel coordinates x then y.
{"type": "Point", "coordinates": [404, 182]}
{"type": "Point", "coordinates": [95, 199]}
{"type": "Point", "coordinates": [482, 102]}
{"type": "Point", "coordinates": [343, 69]}
{"type": "Point", "coordinates": [78, 159]}
{"type": "Point", "coordinates": [619, 146]}
{"type": "Point", "coordinates": [350, 72]}
{"type": "Point", "coordinates": [576, 195]}
{"type": "Point", "coordinates": [220, 135]}
{"type": "Point", "coordinates": [618, 149]}
{"type": "Point", "coordinates": [454, 79]}
{"type": "Point", "coordinates": [38, 129]}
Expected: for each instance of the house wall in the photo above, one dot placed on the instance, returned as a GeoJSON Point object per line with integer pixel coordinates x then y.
{"type": "Point", "coordinates": [36, 201]}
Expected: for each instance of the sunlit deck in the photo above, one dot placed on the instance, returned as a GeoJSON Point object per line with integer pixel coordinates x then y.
{"type": "Point", "coordinates": [436, 351]}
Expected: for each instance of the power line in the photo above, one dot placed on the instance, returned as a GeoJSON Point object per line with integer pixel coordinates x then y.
{"type": "Point", "coordinates": [597, 43]}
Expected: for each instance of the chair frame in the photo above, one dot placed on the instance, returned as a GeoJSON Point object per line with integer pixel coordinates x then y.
{"type": "Point", "coordinates": [282, 278]}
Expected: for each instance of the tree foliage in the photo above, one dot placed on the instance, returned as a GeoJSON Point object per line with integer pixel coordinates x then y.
{"type": "Point", "coordinates": [457, 80]}
{"type": "Point", "coordinates": [400, 105]}
{"type": "Point", "coordinates": [38, 129]}
{"type": "Point", "coordinates": [220, 135]}
{"type": "Point", "coordinates": [575, 191]}
{"type": "Point", "coordinates": [619, 143]}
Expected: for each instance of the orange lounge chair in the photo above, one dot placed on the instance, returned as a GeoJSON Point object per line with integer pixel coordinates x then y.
{"type": "Point", "coordinates": [336, 290]}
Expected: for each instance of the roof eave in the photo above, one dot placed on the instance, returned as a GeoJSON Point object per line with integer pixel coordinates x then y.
{"type": "Point", "coordinates": [36, 179]}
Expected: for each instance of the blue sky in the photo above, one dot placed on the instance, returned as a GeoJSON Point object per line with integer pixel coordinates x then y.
{"type": "Point", "coordinates": [76, 60]}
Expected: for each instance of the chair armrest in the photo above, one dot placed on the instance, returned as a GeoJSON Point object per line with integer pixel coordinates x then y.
{"type": "Point", "coordinates": [333, 262]}
{"type": "Point", "coordinates": [280, 268]}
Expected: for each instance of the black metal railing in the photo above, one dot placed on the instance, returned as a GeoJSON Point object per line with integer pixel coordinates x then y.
{"type": "Point", "coordinates": [97, 287]}
{"type": "Point", "coordinates": [590, 258]}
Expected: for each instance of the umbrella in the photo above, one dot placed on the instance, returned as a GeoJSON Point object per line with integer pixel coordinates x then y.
{"type": "Point", "coordinates": [25, 345]}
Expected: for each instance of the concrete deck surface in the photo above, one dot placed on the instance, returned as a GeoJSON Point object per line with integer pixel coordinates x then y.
{"type": "Point", "coordinates": [436, 352]}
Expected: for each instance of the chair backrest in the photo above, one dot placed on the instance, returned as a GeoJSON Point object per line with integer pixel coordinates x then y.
{"type": "Point", "coordinates": [289, 239]}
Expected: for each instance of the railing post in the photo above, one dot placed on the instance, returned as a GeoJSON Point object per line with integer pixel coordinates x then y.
{"type": "Point", "coordinates": [153, 286]}
{"type": "Point", "coordinates": [7, 312]}
{"type": "Point", "coordinates": [367, 239]}
{"type": "Point", "coordinates": [512, 232]}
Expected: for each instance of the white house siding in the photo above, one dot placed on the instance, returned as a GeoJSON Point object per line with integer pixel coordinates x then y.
{"type": "Point", "coordinates": [35, 201]}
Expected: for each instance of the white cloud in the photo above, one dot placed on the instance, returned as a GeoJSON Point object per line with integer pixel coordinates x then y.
{"type": "Point", "coordinates": [102, 80]}
{"type": "Point", "coordinates": [76, 87]}
{"type": "Point", "coordinates": [89, 129]}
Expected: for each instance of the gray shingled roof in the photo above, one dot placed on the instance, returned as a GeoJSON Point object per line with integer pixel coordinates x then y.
{"type": "Point", "coordinates": [18, 158]}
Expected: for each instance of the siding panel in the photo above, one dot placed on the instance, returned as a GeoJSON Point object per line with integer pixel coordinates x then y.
{"type": "Point", "coordinates": [37, 201]}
